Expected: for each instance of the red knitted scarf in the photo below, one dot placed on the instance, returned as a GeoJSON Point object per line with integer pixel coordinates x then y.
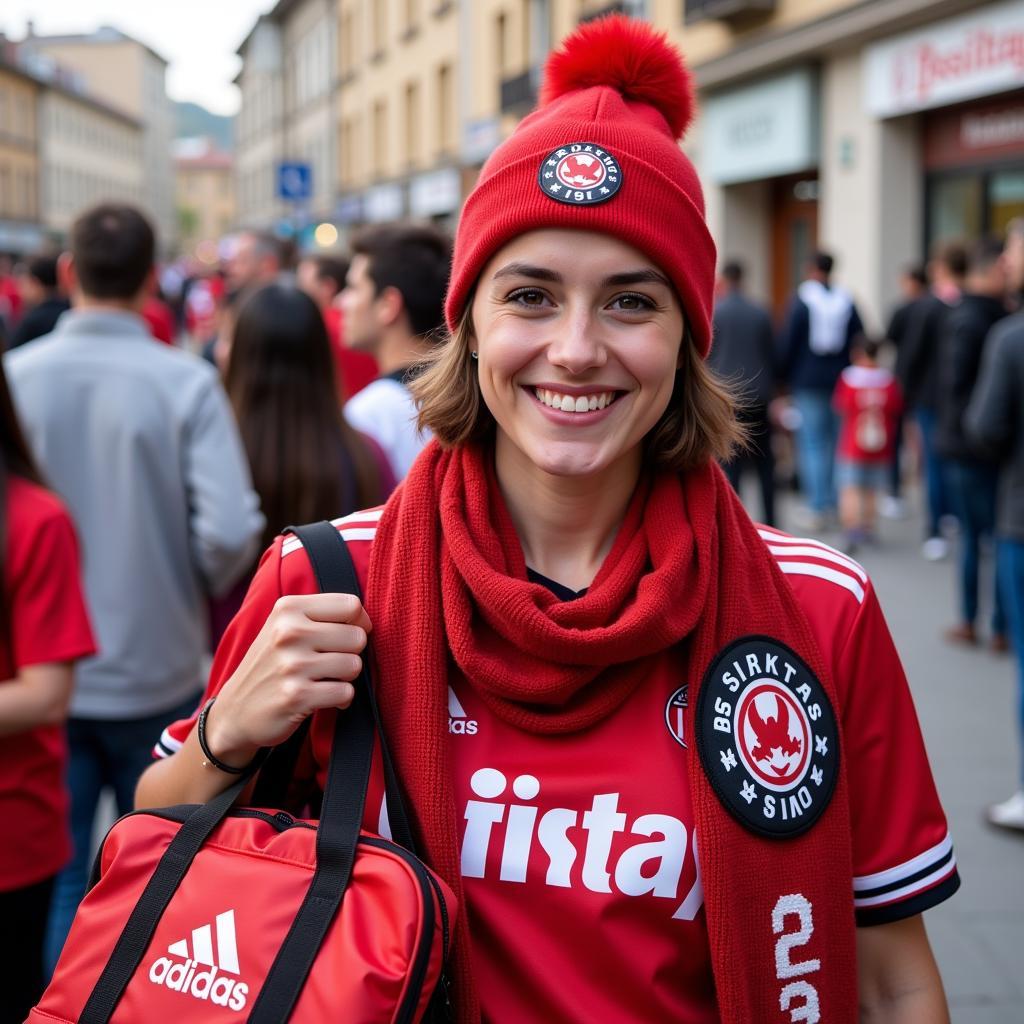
{"type": "Point", "coordinates": [448, 580]}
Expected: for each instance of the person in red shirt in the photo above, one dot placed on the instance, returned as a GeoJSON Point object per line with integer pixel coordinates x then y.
{"type": "Point", "coordinates": [869, 403]}
{"type": "Point", "coordinates": [322, 276]}
{"type": "Point", "coordinates": [649, 745]}
{"type": "Point", "coordinates": [44, 630]}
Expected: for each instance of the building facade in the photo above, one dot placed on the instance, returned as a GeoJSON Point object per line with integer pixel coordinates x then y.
{"type": "Point", "coordinates": [399, 110]}
{"type": "Point", "coordinates": [287, 125]}
{"type": "Point", "coordinates": [872, 128]}
{"type": "Point", "coordinates": [205, 189]}
{"type": "Point", "coordinates": [20, 228]}
{"type": "Point", "coordinates": [259, 126]}
{"type": "Point", "coordinates": [88, 153]}
{"type": "Point", "coordinates": [127, 75]}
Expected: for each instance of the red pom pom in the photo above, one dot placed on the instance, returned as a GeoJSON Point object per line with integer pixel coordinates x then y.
{"type": "Point", "coordinates": [630, 57]}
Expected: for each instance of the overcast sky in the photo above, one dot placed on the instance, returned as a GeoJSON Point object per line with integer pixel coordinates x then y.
{"type": "Point", "coordinates": [197, 38]}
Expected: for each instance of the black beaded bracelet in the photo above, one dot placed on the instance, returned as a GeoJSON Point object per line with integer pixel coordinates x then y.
{"type": "Point", "coordinates": [204, 746]}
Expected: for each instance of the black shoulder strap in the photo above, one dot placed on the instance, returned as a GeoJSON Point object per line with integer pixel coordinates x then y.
{"type": "Point", "coordinates": [344, 799]}
{"type": "Point", "coordinates": [335, 573]}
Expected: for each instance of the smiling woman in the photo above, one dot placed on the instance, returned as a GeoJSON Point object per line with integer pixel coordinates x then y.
{"type": "Point", "coordinates": [664, 792]}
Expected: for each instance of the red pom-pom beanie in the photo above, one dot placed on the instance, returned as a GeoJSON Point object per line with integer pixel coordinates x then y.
{"type": "Point", "coordinates": [599, 154]}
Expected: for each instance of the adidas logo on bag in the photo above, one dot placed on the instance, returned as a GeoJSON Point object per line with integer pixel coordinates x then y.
{"type": "Point", "coordinates": [458, 723]}
{"type": "Point", "coordinates": [198, 973]}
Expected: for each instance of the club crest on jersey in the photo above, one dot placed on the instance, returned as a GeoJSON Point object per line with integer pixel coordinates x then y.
{"type": "Point", "coordinates": [675, 713]}
{"type": "Point", "coordinates": [767, 737]}
{"type": "Point", "coordinates": [580, 174]}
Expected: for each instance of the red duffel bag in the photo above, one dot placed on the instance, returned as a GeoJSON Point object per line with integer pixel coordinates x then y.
{"type": "Point", "coordinates": [212, 913]}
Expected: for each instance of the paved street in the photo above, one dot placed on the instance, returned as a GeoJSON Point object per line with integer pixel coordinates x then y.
{"type": "Point", "coordinates": [966, 702]}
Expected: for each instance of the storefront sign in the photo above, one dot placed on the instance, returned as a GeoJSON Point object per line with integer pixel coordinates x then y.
{"type": "Point", "coordinates": [976, 54]}
{"type": "Point", "coordinates": [434, 193]}
{"type": "Point", "coordinates": [20, 238]}
{"type": "Point", "coordinates": [979, 133]}
{"type": "Point", "coordinates": [349, 209]}
{"type": "Point", "coordinates": [763, 130]}
{"type": "Point", "coordinates": [383, 202]}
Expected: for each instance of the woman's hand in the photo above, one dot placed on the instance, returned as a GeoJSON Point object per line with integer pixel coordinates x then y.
{"type": "Point", "coordinates": [303, 659]}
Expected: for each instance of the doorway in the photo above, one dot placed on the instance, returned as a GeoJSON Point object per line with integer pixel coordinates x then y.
{"type": "Point", "coordinates": [794, 235]}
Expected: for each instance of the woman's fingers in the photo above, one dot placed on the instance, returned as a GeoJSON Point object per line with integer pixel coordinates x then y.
{"type": "Point", "coordinates": [338, 608]}
{"type": "Point", "coordinates": [342, 667]}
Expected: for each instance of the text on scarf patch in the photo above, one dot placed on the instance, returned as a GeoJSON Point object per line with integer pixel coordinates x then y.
{"type": "Point", "coordinates": [656, 867]}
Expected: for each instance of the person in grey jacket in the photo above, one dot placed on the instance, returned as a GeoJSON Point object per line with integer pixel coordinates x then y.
{"type": "Point", "coordinates": [743, 353]}
{"type": "Point", "coordinates": [995, 418]}
{"type": "Point", "coordinates": [139, 441]}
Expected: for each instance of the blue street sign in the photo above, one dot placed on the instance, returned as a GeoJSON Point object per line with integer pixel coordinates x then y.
{"type": "Point", "coordinates": [294, 180]}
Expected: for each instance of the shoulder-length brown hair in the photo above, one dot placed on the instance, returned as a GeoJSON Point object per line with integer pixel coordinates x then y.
{"type": "Point", "coordinates": [699, 423]}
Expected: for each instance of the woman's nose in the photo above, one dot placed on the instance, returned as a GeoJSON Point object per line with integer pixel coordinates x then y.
{"type": "Point", "coordinates": [577, 344]}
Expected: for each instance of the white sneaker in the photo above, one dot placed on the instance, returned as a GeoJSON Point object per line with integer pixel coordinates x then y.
{"type": "Point", "coordinates": [891, 507]}
{"type": "Point", "coordinates": [1008, 814]}
{"type": "Point", "coordinates": [935, 549]}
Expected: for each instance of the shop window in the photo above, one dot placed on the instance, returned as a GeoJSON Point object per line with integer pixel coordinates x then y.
{"type": "Point", "coordinates": [1006, 199]}
{"type": "Point", "coordinates": [956, 208]}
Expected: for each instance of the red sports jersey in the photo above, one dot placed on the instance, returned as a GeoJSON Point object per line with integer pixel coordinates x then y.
{"type": "Point", "coordinates": [48, 623]}
{"type": "Point", "coordinates": [870, 403]}
{"type": "Point", "coordinates": [578, 851]}
{"type": "Point", "coordinates": [352, 370]}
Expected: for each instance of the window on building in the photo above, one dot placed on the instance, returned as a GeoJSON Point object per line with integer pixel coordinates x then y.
{"type": "Point", "coordinates": [412, 14]}
{"type": "Point", "coordinates": [412, 123]}
{"type": "Point", "coordinates": [445, 110]}
{"type": "Point", "coordinates": [500, 44]}
{"type": "Point", "coordinates": [347, 47]}
{"type": "Point", "coordinates": [345, 154]}
{"type": "Point", "coordinates": [380, 142]}
{"type": "Point", "coordinates": [525, 29]}
{"type": "Point", "coordinates": [380, 26]}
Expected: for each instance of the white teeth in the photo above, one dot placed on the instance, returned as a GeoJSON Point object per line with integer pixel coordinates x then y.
{"type": "Point", "coordinates": [567, 403]}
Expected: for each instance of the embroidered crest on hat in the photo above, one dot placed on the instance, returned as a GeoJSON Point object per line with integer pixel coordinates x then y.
{"type": "Point", "coordinates": [580, 174]}
{"type": "Point", "coordinates": [767, 737]}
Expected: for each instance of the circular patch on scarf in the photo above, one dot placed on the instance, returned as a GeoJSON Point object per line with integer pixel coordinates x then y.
{"type": "Point", "coordinates": [767, 737]}
{"type": "Point", "coordinates": [580, 174]}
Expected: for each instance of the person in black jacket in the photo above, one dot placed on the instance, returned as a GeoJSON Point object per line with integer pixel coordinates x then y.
{"type": "Point", "coordinates": [996, 417]}
{"type": "Point", "coordinates": [814, 347]}
{"type": "Point", "coordinates": [44, 301]}
{"type": "Point", "coordinates": [972, 472]}
{"type": "Point", "coordinates": [917, 369]}
{"type": "Point", "coordinates": [744, 354]}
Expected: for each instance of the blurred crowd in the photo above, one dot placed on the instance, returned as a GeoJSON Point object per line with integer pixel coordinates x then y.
{"type": "Point", "coordinates": [186, 414]}
{"type": "Point", "coordinates": [937, 402]}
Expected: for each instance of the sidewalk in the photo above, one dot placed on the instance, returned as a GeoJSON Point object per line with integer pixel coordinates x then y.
{"type": "Point", "coordinates": [966, 700]}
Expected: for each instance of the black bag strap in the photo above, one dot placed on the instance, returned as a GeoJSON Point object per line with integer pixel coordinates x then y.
{"type": "Point", "coordinates": [337, 836]}
{"type": "Point", "coordinates": [344, 797]}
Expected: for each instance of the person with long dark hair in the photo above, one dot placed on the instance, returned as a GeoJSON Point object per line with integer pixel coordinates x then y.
{"type": "Point", "coordinates": [307, 463]}
{"type": "Point", "coordinates": [44, 630]}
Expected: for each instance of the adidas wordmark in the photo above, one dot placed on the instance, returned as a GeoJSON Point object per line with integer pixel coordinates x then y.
{"type": "Point", "coordinates": [198, 973]}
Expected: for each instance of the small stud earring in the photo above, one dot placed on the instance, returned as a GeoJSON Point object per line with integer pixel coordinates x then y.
{"type": "Point", "coordinates": [474, 355]}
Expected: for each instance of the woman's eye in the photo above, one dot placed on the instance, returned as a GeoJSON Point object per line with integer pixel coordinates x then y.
{"type": "Point", "coordinates": [528, 297]}
{"type": "Point", "coordinates": [632, 303]}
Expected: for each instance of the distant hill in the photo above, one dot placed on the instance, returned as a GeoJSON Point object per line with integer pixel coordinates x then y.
{"type": "Point", "coordinates": [193, 120]}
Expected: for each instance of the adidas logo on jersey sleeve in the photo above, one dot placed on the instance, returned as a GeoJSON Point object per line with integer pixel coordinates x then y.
{"type": "Point", "coordinates": [459, 723]}
{"type": "Point", "coordinates": [199, 972]}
